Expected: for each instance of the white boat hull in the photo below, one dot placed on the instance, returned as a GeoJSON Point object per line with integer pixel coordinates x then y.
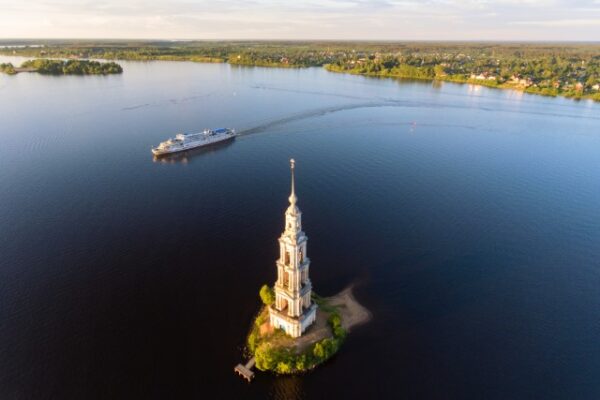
{"type": "Point", "coordinates": [206, 141]}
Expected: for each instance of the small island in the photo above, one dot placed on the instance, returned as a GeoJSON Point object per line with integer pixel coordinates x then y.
{"type": "Point", "coordinates": [274, 350]}
{"type": "Point", "coordinates": [63, 67]}
{"type": "Point", "coordinates": [296, 329]}
{"type": "Point", "coordinates": [7, 68]}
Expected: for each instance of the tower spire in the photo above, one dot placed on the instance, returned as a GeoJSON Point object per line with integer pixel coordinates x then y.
{"type": "Point", "coordinates": [293, 197]}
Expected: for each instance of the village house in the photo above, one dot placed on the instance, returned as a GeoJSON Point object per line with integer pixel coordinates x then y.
{"type": "Point", "coordinates": [483, 76]}
{"type": "Point", "coordinates": [523, 82]}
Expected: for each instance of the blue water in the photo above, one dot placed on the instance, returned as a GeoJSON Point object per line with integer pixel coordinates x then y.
{"type": "Point", "coordinates": [467, 218]}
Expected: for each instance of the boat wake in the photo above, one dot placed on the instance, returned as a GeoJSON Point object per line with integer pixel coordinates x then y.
{"type": "Point", "coordinates": [173, 101]}
{"type": "Point", "coordinates": [387, 102]}
{"type": "Point", "coordinates": [310, 114]}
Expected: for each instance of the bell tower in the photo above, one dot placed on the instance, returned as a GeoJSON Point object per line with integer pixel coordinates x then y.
{"type": "Point", "coordinates": [294, 309]}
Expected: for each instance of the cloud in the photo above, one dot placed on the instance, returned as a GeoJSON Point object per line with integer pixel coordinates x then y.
{"type": "Point", "coordinates": [303, 19]}
{"type": "Point", "coordinates": [561, 23]}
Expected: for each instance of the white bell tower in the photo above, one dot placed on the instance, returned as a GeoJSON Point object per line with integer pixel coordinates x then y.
{"type": "Point", "coordinates": [293, 310]}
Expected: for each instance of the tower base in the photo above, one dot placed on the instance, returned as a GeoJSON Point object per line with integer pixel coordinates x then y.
{"type": "Point", "coordinates": [293, 326]}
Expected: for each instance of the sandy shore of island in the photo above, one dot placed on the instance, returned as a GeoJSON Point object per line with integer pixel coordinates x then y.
{"type": "Point", "coordinates": [352, 312]}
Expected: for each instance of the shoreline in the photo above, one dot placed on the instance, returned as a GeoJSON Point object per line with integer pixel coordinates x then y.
{"type": "Point", "coordinates": [593, 97]}
{"type": "Point", "coordinates": [352, 312]}
{"type": "Point", "coordinates": [468, 82]}
{"type": "Point", "coordinates": [275, 351]}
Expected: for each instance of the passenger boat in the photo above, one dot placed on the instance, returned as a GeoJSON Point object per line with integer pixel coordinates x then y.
{"type": "Point", "coordinates": [183, 141]}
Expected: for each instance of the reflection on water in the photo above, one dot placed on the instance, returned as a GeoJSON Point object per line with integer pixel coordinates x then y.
{"type": "Point", "coordinates": [184, 157]}
{"type": "Point", "coordinates": [471, 88]}
{"type": "Point", "coordinates": [437, 84]}
{"type": "Point", "coordinates": [287, 388]}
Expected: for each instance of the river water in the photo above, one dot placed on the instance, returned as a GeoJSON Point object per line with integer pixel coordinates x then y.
{"type": "Point", "coordinates": [467, 218]}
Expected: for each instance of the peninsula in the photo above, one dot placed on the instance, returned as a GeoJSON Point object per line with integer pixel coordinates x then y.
{"type": "Point", "coordinates": [296, 329]}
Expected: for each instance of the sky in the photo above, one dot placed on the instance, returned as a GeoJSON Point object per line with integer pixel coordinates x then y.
{"type": "Point", "coordinates": [535, 20]}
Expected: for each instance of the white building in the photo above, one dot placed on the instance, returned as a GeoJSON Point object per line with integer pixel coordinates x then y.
{"type": "Point", "coordinates": [293, 310]}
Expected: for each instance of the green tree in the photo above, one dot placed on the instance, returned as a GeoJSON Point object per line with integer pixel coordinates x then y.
{"type": "Point", "coordinates": [591, 81]}
{"type": "Point", "coordinates": [267, 295]}
{"type": "Point", "coordinates": [253, 341]}
{"type": "Point", "coordinates": [439, 70]}
{"type": "Point", "coordinates": [266, 357]}
{"type": "Point", "coordinates": [301, 363]}
{"type": "Point", "coordinates": [319, 351]}
{"type": "Point", "coordinates": [283, 367]}
{"type": "Point", "coordinates": [8, 69]}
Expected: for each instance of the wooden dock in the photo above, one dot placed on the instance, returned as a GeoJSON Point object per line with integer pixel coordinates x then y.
{"type": "Point", "coordinates": [245, 371]}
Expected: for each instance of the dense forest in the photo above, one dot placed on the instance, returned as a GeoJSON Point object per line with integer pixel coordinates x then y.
{"type": "Point", "coordinates": [567, 69]}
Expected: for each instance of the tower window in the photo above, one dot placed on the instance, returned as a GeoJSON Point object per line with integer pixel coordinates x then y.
{"type": "Point", "coordinates": [286, 278]}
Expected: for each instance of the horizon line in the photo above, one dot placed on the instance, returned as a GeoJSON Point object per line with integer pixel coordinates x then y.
{"type": "Point", "coordinates": [307, 40]}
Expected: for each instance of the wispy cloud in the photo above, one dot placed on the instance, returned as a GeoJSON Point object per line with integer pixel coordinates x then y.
{"type": "Point", "coordinates": [304, 19]}
{"type": "Point", "coordinates": [560, 23]}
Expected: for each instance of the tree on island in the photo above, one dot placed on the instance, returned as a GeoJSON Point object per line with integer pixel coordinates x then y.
{"type": "Point", "coordinates": [72, 67]}
{"type": "Point", "coordinates": [267, 295]}
{"type": "Point", "coordinates": [8, 69]}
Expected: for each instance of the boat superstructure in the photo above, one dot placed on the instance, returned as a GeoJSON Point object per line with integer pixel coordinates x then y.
{"type": "Point", "coordinates": [187, 141]}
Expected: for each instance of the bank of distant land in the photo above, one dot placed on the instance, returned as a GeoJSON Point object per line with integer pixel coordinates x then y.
{"type": "Point", "coordinates": [63, 67]}
{"type": "Point", "coordinates": [551, 69]}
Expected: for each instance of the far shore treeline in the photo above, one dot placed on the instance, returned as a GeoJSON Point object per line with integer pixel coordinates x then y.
{"type": "Point", "coordinates": [553, 69]}
{"type": "Point", "coordinates": [64, 67]}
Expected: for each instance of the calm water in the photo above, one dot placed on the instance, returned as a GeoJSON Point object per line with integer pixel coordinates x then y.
{"type": "Point", "coordinates": [467, 217]}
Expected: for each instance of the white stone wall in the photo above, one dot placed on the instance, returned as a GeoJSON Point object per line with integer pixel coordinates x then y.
{"type": "Point", "coordinates": [309, 319]}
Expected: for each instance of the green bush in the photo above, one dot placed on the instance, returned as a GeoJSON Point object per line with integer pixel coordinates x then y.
{"type": "Point", "coordinates": [253, 340]}
{"type": "Point", "coordinates": [283, 367]}
{"type": "Point", "coordinates": [301, 363]}
{"type": "Point", "coordinates": [335, 321]}
{"type": "Point", "coordinates": [266, 357]}
{"type": "Point", "coordinates": [261, 319]}
{"type": "Point", "coordinates": [267, 295]}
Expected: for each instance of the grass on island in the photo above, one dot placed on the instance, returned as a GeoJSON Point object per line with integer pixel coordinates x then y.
{"type": "Point", "coordinates": [275, 351]}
